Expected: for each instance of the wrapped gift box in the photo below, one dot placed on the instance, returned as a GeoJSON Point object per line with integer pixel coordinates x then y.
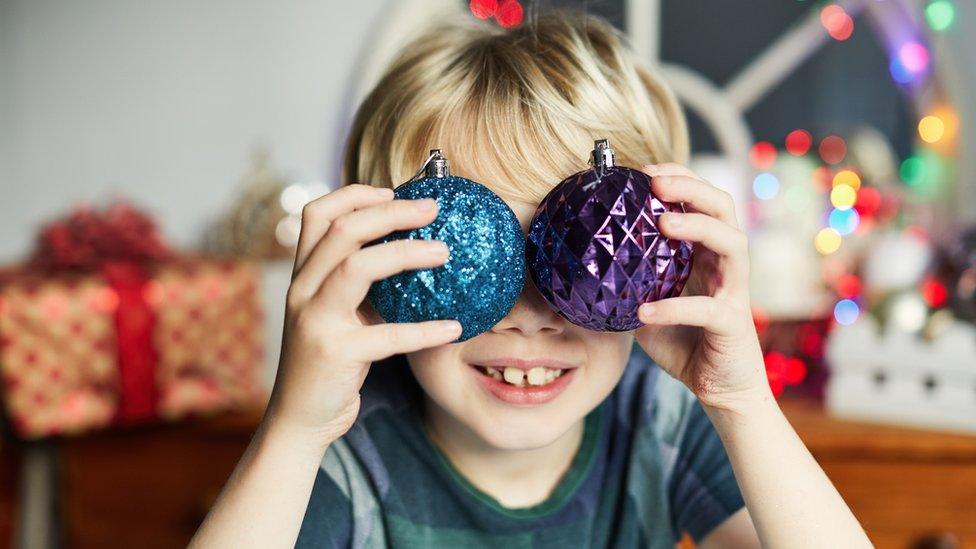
{"type": "Point", "coordinates": [126, 340]}
{"type": "Point", "coordinates": [79, 352]}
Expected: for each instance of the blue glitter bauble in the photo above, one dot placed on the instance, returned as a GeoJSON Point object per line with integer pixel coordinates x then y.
{"type": "Point", "coordinates": [479, 283]}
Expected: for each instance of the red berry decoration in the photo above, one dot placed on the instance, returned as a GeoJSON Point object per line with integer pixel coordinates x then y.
{"type": "Point", "coordinates": [483, 9]}
{"type": "Point", "coordinates": [510, 14]}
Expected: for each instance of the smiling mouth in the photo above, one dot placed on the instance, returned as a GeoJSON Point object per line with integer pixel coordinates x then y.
{"type": "Point", "coordinates": [518, 377]}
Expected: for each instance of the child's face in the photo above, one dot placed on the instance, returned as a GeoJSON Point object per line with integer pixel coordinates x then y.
{"type": "Point", "coordinates": [542, 404]}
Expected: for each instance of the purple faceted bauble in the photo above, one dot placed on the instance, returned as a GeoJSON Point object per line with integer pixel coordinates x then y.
{"type": "Point", "coordinates": [594, 250]}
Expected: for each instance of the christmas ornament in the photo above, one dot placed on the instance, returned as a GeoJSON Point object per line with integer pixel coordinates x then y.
{"type": "Point", "coordinates": [594, 250]}
{"type": "Point", "coordinates": [484, 275]}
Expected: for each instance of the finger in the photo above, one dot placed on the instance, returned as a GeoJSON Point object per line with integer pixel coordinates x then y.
{"type": "Point", "coordinates": [384, 340]}
{"type": "Point", "coordinates": [345, 289]}
{"type": "Point", "coordinates": [701, 311]}
{"type": "Point", "coordinates": [352, 230]}
{"type": "Point", "coordinates": [668, 168]}
{"type": "Point", "coordinates": [710, 232]}
{"type": "Point", "coordinates": [319, 213]}
{"type": "Point", "coordinates": [700, 195]}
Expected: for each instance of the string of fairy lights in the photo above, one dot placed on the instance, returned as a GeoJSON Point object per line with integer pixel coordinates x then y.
{"type": "Point", "coordinates": [854, 207]}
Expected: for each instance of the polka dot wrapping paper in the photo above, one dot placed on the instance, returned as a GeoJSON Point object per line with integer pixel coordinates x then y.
{"type": "Point", "coordinates": [82, 351]}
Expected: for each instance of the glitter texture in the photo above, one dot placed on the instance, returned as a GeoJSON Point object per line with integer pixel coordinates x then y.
{"type": "Point", "coordinates": [595, 253]}
{"type": "Point", "coordinates": [479, 283]}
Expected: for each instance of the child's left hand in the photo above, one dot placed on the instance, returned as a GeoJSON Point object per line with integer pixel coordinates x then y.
{"type": "Point", "coordinates": [705, 337]}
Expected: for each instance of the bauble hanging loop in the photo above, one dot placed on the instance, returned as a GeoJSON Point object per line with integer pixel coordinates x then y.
{"type": "Point", "coordinates": [594, 250]}
{"type": "Point", "coordinates": [483, 276]}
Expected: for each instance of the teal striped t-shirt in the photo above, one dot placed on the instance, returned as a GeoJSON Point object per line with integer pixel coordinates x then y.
{"type": "Point", "coordinates": [650, 467]}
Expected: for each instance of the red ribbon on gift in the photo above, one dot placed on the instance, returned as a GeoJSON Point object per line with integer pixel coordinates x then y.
{"type": "Point", "coordinates": [120, 243]}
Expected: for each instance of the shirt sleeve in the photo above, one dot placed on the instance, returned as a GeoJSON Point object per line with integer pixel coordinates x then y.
{"type": "Point", "coordinates": [328, 517]}
{"type": "Point", "coordinates": [703, 490]}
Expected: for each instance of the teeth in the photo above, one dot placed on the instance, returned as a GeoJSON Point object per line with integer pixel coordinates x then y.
{"type": "Point", "coordinates": [522, 378]}
{"type": "Point", "coordinates": [515, 376]}
{"type": "Point", "coordinates": [537, 376]}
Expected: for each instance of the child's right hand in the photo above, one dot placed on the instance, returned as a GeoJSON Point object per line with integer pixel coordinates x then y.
{"type": "Point", "coordinates": [330, 337]}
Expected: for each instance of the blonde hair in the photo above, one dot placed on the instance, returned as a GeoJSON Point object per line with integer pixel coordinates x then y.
{"type": "Point", "coordinates": [517, 110]}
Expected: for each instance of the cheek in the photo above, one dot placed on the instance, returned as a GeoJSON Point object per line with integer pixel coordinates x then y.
{"type": "Point", "coordinates": [607, 355]}
{"type": "Point", "coordinates": [435, 370]}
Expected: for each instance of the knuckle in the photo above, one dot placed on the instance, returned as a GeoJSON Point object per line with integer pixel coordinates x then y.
{"type": "Point", "coordinates": [311, 208]}
{"type": "Point", "coordinates": [306, 321]}
{"type": "Point", "coordinates": [712, 309]}
{"type": "Point", "coordinates": [341, 227]}
{"type": "Point", "coordinates": [293, 300]}
{"type": "Point", "coordinates": [394, 336]}
{"type": "Point", "coordinates": [723, 314]}
{"type": "Point", "coordinates": [403, 249]}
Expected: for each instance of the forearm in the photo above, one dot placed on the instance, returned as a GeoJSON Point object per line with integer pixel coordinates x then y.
{"type": "Point", "coordinates": [264, 501]}
{"type": "Point", "coordinates": [790, 499]}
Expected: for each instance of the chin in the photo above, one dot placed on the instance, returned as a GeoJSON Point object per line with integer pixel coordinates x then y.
{"type": "Point", "coordinates": [523, 431]}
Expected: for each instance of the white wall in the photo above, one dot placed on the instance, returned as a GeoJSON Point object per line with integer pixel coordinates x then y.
{"type": "Point", "coordinates": [163, 102]}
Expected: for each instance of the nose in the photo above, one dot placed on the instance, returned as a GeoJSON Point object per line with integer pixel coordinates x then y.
{"type": "Point", "coordinates": [530, 315]}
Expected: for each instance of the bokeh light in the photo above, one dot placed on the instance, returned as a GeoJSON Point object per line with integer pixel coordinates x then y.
{"type": "Point", "coordinates": [833, 149]}
{"type": "Point", "coordinates": [848, 285]}
{"type": "Point", "coordinates": [762, 155]}
{"type": "Point", "coordinates": [868, 201]}
{"type": "Point", "coordinates": [940, 14]}
{"type": "Point", "coordinates": [914, 57]}
{"type": "Point", "coordinates": [843, 197]}
{"type": "Point", "coordinates": [293, 198]}
{"type": "Point", "coordinates": [909, 312]}
{"type": "Point", "coordinates": [898, 71]}
{"type": "Point", "coordinates": [765, 186]}
{"type": "Point", "coordinates": [931, 129]}
{"type": "Point", "coordinates": [846, 312]}
{"type": "Point", "coordinates": [849, 178]}
{"type": "Point", "coordinates": [844, 222]}
{"type": "Point", "coordinates": [798, 142]}
{"type": "Point", "coordinates": [838, 22]}
{"type": "Point", "coordinates": [912, 170]}
{"type": "Point", "coordinates": [934, 293]}
{"type": "Point", "coordinates": [827, 241]}
{"type": "Point", "coordinates": [926, 173]}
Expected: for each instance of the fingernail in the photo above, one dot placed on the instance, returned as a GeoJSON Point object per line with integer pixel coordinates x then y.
{"type": "Point", "coordinates": [436, 248]}
{"type": "Point", "coordinates": [425, 205]}
{"type": "Point", "coordinates": [384, 192]}
{"type": "Point", "coordinates": [650, 168]}
{"type": "Point", "coordinates": [672, 220]}
{"type": "Point", "coordinates": [646, 309]}
{"type": "Point", "coordinates": [449, 328]}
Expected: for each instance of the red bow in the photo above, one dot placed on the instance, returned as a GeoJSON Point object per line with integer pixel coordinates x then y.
{"type": "Point", "coordinates": [88, 239]}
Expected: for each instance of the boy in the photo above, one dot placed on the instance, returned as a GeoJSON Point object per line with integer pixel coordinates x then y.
{"type": "Point", "coordinates": [537, 432]}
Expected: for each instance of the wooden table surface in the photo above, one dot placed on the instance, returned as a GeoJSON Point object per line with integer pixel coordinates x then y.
{"type": "Point", "coordinates": [907, 486]}
{"type": "Point", "coordinates": [116, 486]}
